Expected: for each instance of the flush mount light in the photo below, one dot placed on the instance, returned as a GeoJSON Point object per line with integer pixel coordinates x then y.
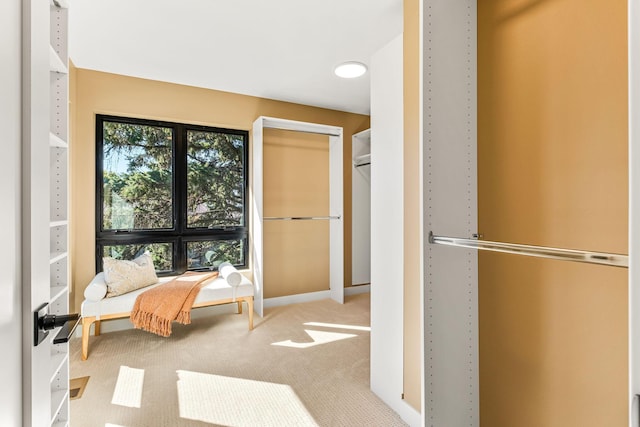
{"type": "Point", "coordinates": [351, 69]}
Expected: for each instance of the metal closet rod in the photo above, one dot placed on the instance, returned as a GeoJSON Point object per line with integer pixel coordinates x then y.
{"type": "Point", "coordinates": [299, 218]}
{"type": "Point", "coordinates": [615, 260]}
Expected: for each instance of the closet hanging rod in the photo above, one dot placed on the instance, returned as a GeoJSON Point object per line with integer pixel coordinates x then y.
{"type": "Point", "coordinates": [615, 260]}
{"type": "Point", "coordinates": [299, 218]}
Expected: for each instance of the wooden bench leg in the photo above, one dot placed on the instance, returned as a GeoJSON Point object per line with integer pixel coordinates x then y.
{"type": "Point", "coordinates": [96, 328]}
{"type": "Point", "coordinates": [250, 308]}
{"type": "Point", "coordinates": [240, 307]}
{"type": "Point", "coordinates": [86, 327]}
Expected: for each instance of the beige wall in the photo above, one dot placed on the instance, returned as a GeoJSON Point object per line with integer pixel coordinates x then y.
{"type": "Point", "coordinates": [296, 253]}
{"type": "Point", "coordinates": [95, 92]}
{"type": "Point", "coordinates": [552, 167]}
{"type": "Point", "coordinates": [412, 207]}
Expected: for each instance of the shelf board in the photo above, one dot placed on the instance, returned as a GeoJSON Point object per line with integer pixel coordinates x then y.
{"type": "Point", "coordinates": [62, 4]}
{"type": "Point", "coordinates": [55, 63]}
{"type": "Point", "coordinates": [56, 141]}
{"type": "Point", "coordinates": [58, 398]}
{"type": "Point", "coordinates": [362, 160]}
{"type": "Point", "coordinates": [58, 223]}
{"type": "Point", "coordinates": [57, 361]}
{"type": "Point", "coordinates": [57, 256]}
{"type": "Point", "coordinates": [365, 134]}
{"type": "Point", "coordinates": [56, 292]}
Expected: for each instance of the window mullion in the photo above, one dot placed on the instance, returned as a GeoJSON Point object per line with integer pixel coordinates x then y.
{"type": "Point", "coordinates": [180, 194]}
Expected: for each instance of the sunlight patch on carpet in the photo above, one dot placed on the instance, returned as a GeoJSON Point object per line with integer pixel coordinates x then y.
{"type": "Point", "coordinates": [230, 401]}
{"type": "Point", "coordinates": [128, 390]}
{"type": "Point", "coordinates": [318, 337]}
{"type": "Point", "coordinates": [338, 326]}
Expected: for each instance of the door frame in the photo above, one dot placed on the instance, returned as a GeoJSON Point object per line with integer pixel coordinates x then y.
{"type": "Point", "coordinates": [336, 225]}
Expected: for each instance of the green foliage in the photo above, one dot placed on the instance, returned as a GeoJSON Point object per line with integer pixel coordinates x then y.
{"type": "Point", "coordinates": [215, 186]}
{"type": "Point", "coordinates": [161, 253]}
{"type": "Point", "coordinates": [138, 179]}
{"type": "Point", "coordinates": [210, 254]}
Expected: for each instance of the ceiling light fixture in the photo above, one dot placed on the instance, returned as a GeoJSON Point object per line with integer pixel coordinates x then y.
{"type": "Point", "coordinates": [350, 69]}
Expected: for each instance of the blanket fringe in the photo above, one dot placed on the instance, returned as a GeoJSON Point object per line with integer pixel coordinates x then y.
{"type": "Point", "coordinates": [158, 322]}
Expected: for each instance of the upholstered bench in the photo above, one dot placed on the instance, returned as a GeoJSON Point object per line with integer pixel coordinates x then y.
{"type": "Point", "coordinates": [97, 307]}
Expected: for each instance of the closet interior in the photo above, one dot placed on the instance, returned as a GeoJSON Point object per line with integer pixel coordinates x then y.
{"type": "Point", "coordinates": [527, 143]}
{"type": "Point", "coordinates": [361, 208]}
{"type": "Point", "coordinates": [297, 215]}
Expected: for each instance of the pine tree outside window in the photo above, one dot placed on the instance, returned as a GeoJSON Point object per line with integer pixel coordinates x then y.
{"type": "Point", "coordinates": [175, 190]}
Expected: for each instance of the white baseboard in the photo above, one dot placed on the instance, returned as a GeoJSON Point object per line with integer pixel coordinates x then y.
{"type": "Point", "coordinates": [357, 289]}
{"type": "Point", "coordinates": [296, 299]}
{"type": "Point", "coordinates": [312, 296]}
{"type": "Point", "coordinates": [408, 413]}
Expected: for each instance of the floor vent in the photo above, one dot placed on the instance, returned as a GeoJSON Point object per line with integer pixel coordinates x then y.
{"type": "Point", "coordinates": [76, 387]}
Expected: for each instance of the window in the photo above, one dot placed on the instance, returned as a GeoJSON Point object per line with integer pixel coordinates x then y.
{"type": "Point", "coordinates": [175, 190]}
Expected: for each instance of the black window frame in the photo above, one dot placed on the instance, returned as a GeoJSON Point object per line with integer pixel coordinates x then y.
{"type": "Point", "coordinates": [180, 233]}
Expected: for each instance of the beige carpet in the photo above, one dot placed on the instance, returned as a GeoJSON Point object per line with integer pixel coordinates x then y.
{"type": "Point", "coordinates": [216, 372]}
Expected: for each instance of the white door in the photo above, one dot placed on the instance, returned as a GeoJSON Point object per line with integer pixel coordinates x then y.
{"type": "Point", "coordinates": [10, 288]}
{"type": "Point", "coordinates": [43, 203]}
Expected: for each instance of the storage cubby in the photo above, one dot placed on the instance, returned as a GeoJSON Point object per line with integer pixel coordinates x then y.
{"type": "Point", "coordinates": [59, 205]}
{"type": "Point", "coordinates": [60, 395]}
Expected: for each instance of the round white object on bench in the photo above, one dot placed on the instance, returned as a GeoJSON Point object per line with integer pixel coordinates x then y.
{"type": "Point", "coordinates": [97, 289]}
{"type": "Point", "coordinates": [230, 274]}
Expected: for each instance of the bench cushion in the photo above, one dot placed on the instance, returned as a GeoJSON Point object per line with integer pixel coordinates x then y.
{"type": "Point", "coordinates": [213, 290]}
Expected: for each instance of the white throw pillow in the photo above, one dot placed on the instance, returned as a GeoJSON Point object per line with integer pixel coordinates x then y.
{"type": "Point", "coordinates": [123, 276]}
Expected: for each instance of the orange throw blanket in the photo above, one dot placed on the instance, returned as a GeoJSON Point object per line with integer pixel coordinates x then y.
{"type": "Point", "coordinates": [155, 309]}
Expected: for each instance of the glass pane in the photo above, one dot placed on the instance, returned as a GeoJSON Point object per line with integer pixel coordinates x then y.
{"type": "Point", "coordinates": [215, 179]}
{"type": "Point", "coordinates": [161, 253]}
{"type": "Point", "coordinates": [137, 177]}
{"type": "Point", "coordinates": [210, 254]}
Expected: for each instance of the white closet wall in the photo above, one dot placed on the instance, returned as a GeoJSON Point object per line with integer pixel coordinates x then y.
{"type": "Point", "coordinates": [451, 396]}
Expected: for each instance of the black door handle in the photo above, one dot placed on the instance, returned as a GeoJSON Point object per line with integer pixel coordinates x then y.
{"type": "Point", "coordinates": [52, 321]}
{"type": "Point", "coordinates": [44, 322]}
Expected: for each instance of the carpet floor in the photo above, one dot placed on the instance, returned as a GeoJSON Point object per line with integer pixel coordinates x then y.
{"type": "Point", "coordinates": [302, 365]}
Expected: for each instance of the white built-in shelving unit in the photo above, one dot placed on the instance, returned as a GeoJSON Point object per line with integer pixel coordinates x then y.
{"type": "Point", "coordinates": [59, 206]}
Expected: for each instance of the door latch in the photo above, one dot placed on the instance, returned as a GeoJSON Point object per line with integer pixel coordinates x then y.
{"type": "Point", "coordinates": [43, 322]}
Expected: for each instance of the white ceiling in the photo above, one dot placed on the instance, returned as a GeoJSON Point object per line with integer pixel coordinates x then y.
{"type": "Point", "coordinates": [277, 49]}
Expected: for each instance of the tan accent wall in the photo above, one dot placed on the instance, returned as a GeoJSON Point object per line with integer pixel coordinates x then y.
{"type": "Point", "coordinates": [296, 253]}
{"type": "Point", "coordinates": [104, 93]}
{"type": "Point", "coordinates": [412, 208]}
{"type": "Point", "coordinates": [552, 167]}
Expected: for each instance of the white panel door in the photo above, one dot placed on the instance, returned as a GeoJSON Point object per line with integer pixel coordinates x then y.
{"type": "Point", "coordinates": [387, 237]}
{"type": "Point", "coordinates": [35, 208]}
{"type": "Point", "coordinates": [10, 259]}
{"type": "Point", "coordinates": [44, 211]}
